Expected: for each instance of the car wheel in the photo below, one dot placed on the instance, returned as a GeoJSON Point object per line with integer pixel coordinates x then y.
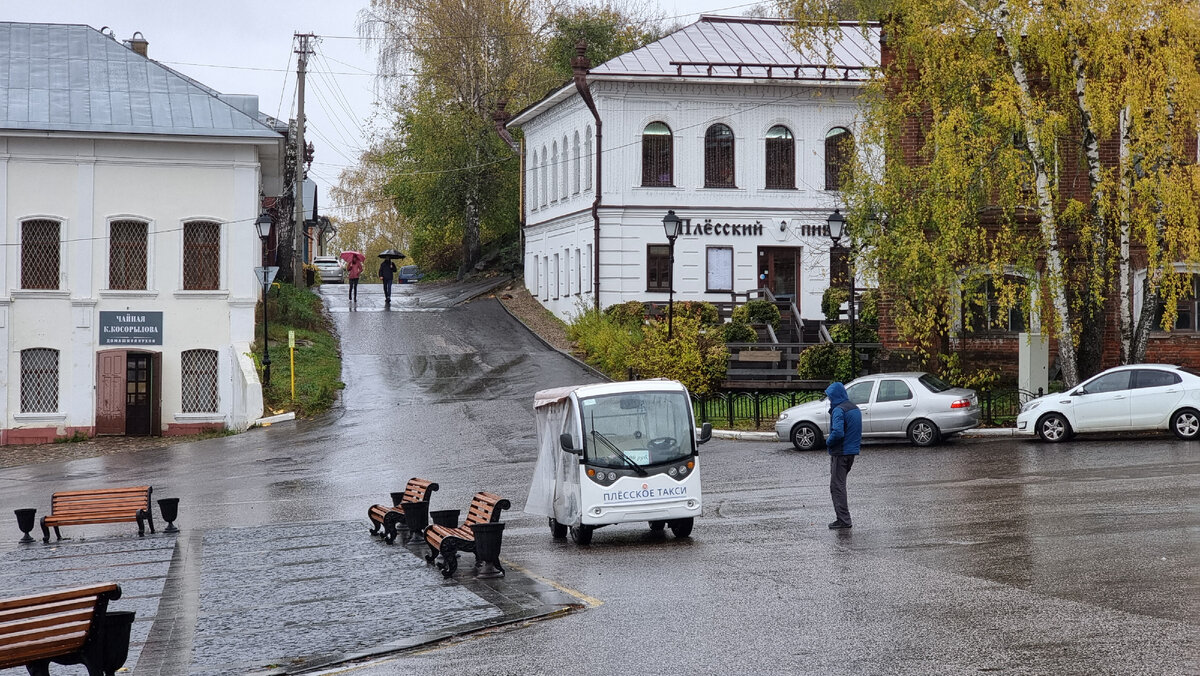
{"type": "Point", "coordinates": [1053, 428]}
{"type": "Point", "coordinates": [581, 534]}
{"type": "Point", "coordinates": [557, 530]}
{"type": "Point", "coordinates": [924, 433]}
{"type": "Point", "coordinates": [682, 528]}
{"type": "Point", "coordinates": [1185, 423]}
{"type": "Point", "coordinates": [657, 525]}
{"type": "Point", "coordinates": [806, 437]}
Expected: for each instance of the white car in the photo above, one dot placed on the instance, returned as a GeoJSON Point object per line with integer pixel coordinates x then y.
{"type": "Point", "coordinates": [330, 269]}
{"type": "Point", "coordinates": [917, 406]}
{"type": "Point", "coordinates": [1129, 398]}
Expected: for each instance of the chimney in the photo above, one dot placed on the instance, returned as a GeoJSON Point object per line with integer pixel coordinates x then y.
{"type": "Point", "coordinates": [138, 43]}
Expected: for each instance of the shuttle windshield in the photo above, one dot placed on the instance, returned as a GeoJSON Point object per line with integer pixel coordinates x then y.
{"type": "Point", "coordinates": [637, 429]}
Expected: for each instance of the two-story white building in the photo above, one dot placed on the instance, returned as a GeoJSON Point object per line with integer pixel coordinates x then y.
{"type": "Point", "coordinates": [726, 123]}
{"type": "Point", "coordinates": [129, 195]}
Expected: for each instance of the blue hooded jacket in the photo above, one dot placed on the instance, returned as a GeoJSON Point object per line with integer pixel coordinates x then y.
{"type": "Point", "coordinates": [845, 422]}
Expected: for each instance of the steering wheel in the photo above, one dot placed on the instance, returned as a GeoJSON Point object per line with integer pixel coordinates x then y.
{"type": "Point", "coordinates": [662, 444]}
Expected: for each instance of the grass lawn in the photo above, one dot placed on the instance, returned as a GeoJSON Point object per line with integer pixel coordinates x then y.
{"type": "Point", "coordinates": [318, 357]}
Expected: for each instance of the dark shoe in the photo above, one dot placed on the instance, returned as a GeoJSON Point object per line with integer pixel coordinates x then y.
{"type": "Point", "coordinates": [839, 525]}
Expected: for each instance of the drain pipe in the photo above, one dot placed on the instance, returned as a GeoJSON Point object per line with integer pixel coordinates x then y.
{"type": "Point", "coordinates": [580, 66]}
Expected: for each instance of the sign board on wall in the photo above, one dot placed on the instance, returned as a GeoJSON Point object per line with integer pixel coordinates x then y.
{"type": "Point", "coordinates": [131, 328]}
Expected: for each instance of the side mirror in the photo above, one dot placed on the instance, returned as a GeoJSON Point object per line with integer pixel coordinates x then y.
{"type": "Point", "coordinates": [568, 444]}
{"type": "Point", "coordinates": [705, 433]}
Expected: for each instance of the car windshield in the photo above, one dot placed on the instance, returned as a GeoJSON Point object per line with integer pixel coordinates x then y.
{"type": "Point", "coordinates": [933, 383]}
{"type": "Point", "coordinates": [636, 429]}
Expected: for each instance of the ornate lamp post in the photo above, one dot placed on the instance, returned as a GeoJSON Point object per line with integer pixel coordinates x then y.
{"type": "Point", "coordinates": [672, 226]}
{"type": "Point", "coordinates": [837, 228]}
{"type": "Point", "coordinates": [264, 232]}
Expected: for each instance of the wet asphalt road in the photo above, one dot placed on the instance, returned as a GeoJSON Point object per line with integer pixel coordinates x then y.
{"type": "Point", "coordinates": [977, 555]}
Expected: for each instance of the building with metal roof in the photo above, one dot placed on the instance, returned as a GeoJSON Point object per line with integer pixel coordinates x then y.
{"type": "Point", "coordinates": [129, 194]}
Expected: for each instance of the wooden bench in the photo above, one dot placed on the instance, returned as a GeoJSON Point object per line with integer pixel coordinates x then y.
{"type": "Point", "coordinates": [71, 626]}
{"type": "Point", "coordinates": [110, 505]}
{"type": "Point", "coordinates": [446, 541]}
{"type": "Point", "coordinates": [388, 518]}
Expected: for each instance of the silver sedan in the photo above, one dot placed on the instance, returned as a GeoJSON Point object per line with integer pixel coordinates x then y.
{"type": "Point", "coordinates": [917, 406]}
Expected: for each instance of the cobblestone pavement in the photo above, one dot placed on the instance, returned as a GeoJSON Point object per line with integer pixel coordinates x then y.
{"type": "Point", "coordinates": [28, 454]}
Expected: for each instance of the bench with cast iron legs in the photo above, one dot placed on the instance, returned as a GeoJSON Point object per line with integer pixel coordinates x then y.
{"type": "Point", "coordinates": [109, 505]}
{"type": "Point", "coordinates": [389, 518]}
{"type": "Point", "coordinates": [483, 515]}
{"type": "Point", "coordinates": [71, 626]}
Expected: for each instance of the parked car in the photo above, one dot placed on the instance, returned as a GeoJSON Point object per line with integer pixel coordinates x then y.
{"type": "Point", "coordinates": [330, 269]}
{"type": "Point", "coordinates": [1129, 398]}
{"type": "Point", "coordinates": [410, 274]}
{"type": "Point", "coordinates": [917, 406]}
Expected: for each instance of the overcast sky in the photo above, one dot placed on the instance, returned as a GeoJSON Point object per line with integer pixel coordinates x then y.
{"type": "Point", "coordinates": [246, 47]}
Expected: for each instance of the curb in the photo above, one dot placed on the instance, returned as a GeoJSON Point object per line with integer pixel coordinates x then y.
{"type": "Point", "coordinates": [979, 433]}
{"type": "Point", "coordinates": [587, 367]}
{"type": "Point", "coordinates": [267, 421]}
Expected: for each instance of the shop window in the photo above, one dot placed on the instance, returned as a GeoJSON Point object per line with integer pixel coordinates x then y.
{"type": "Point", "coordinates": [199, 378]}
{"type": "Point", "coordinates": [720, 268]}
{"type": "Point", "coordinates": [127, 255]}
{"type": "Point", "coordinates": [39, 380]}
{"type": "Point", "coordinates": [1187, 309]}
{"type": "Point", "coordinates": [718, 157]}
{"type": "Point", "coordinates": [993, 306]}
{"type": "Point", "coordinates": [781, 158]}
{"type": "Point", "coordinates": [40, 254]}
{"type": "Point", "coordinates": [201, 256]}
{"type": "Point", "coordinates": [658, 267]}
{"type": "Point", "coordinates": [658, 168]}
{"type": "Point", "coordinates": [839, 150]}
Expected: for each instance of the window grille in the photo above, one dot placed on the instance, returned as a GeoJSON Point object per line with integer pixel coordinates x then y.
{"type": "Point", "coordinates": [127, 255]}
{"type": "Point", "coordinates": [839, 148]}
{"type": "Point", "coordinates": [657, 161]}
{"type": "Point", "coordinates": [40, 254]}
{"type": "Point", "coordinates": [39, 380]}
{"type": "Point", "coordinates": [718, 157]}
{"type": "Point", "coordinates": [201, 256]}
{"type": "Point", "coordinates": [781, 158]}
{"type": "Point", "coordinates": [658, 267]}
{"type": "Point", "coordinates": [199, 381]}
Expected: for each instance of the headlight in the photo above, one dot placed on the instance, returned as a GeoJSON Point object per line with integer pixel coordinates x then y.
{"type": "Point", "coordinates": [783, 416]}
{"type": "Point", "coordinates": [1030, 405]}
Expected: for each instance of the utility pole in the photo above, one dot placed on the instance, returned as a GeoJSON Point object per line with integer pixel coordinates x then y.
{"type": "Point", "coordinates": [298, 231]}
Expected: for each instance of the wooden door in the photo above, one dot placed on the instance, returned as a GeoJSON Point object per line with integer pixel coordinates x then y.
{"type": "Point", "coordinates": [779, 269]}
{"type": "Point", "coordinates": [137, 394]}
{"type": "Point", "coordinates": [110, 392]}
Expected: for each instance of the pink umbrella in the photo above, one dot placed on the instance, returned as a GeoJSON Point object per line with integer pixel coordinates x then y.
{"type": "Point", "coordinates": [352, 256]}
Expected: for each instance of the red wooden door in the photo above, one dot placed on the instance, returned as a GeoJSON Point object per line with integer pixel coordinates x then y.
{"type": "Point", "coordinates": [110, 392]}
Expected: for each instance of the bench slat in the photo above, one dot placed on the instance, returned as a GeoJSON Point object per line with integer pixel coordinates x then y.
{"type": "Point", "coordinates": [101, 491]}
{"type": "Point", "coordinates": [43, 633]}
{"type": "Point", "coordinates": [112, 591]}
{"type": "Point", "coordinates": [23, 653]}
{"type": "Point", "coordinates": [17, 620]}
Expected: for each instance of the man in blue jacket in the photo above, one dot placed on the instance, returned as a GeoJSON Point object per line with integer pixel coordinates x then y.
{"type": "Point", "coordinates": [845, 437]}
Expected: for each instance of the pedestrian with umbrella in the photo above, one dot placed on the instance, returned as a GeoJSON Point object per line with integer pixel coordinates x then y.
{"type": "Point", "coordinates": [387, 272]}
{"type": "Point", "coordinates": [354, 269]}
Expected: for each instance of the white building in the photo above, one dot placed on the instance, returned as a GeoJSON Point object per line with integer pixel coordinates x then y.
{"type": "Point", "coordinates": [129, 198]}
{"type": "Point", "coordinates": [725, 123]}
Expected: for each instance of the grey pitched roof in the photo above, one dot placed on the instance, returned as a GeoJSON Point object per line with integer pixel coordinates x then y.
{"type": "Point", "coordinates": [60, 77]}
{"type": "Point", "coordinates": [703, 48]}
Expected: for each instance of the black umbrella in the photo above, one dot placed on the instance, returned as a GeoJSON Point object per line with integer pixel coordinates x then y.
{"type": "Point", "coordinates": [392, 253]}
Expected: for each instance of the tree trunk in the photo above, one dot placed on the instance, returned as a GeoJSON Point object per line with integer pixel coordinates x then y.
{"type": "Point", "coordinates": [1125, 276]}
{"type": "Point", "coordinates": [1094, 288]}
{"type": "Point", "coordinates": [470, 239]}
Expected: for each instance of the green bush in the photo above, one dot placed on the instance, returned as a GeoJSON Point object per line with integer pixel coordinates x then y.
{"type": "Point", "coordinates": [840, 333]}
{"type": "Point", "coordinates": [827, 361]}
{"type": "Point", "coordinates": [606, 343]}
{"type": "Point", "coordinates": [631, 313]}
{"type": "Point", "coordinates": [707, 313]}
{"type": "Point", "coordinates": [831, 302]}
{"type": "Point", "coordinates": [758, 312]}
{"type": "Point", "coordinates": [696, 355]}
{"type": "Point", "coordinates": [738, 331]}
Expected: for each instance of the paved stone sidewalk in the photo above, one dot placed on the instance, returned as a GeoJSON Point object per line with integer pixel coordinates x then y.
{"type": "Point", "coordinates": [274, 599]}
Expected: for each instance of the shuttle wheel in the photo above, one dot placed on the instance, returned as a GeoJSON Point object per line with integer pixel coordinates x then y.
{"type": "Point", "coordinates": [657, 525]}
{"type": "Point", "coordinates": [557, 530]}
{"type": "Point", "coordinates": [582, 534]}
{"type": "Point", "coordinates": [681, 527]}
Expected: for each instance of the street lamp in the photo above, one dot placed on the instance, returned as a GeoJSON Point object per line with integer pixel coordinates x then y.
{"type": "Point", "coordinates": [672, 226]}
{"type": "Point", "coordinates": [837, 228]}
{"type": "Point", "coordinates": [263, 223]}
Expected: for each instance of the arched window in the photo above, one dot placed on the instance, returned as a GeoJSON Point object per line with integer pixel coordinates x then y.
{"type": "Point", "coordinates": [533, 181]}
{"type": "Point", "coordinates": [545, 177]}
{"type": "Point", "coordinates": [575, 165]}
{"type": "Point", "coordinates": [657, 158]}
{"type": "Point", "coordinates": [718, 157]}
{"type": "Point", "coordinates": [781, 158]}
{"type": "Point", "coordinates": [201, 256]}
{"type": "Point", "coordinates": [565, 170]}
{"type": "Point", "coordinates": [554, 172]}
{"type": "Point", "coordinates": [839, 150]}
{"type": "Point", "coordinates": [40, 254]}
{"type": "Point", "coordinates": [127, 255]}
{"type": "Point", "coordinates": [588, 161]}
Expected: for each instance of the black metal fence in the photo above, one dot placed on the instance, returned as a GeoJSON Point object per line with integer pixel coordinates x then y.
{"type": "Point", "coordinates": [760, 409]}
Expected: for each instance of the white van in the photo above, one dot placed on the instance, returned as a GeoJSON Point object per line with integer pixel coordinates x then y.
{"type": "Point", "coordinates": [616, 453]}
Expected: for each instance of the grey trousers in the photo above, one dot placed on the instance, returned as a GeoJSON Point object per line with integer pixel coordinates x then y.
{"type": "Point", "coordinates": [839, 467]}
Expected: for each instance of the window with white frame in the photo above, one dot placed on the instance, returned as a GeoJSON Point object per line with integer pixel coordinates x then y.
{"type": "Point", "coordinates": [127, 255]}
{"type": "Point", "coordinates": [658, 169]}
{"type": "Point", "coordinates": [533, 182]}
{"type": "Point", "coordinates": [545, 177]}
{"type": "Point", "coordinates": [575, 162]}
{"type": "Point", "coordinates": [658, 267]}
{"type": "Point", "coordinates": [554, 172]}
{"type": "Point", "coordinates": [1187, 308]}
{"type": "Point", "coordinates": [201, 256]}
{"type": "Point", "coordinates": [720, 268]}
{"type": "Point", "coordinates": [588, 160]}
{"type": "Point", "coordinates": [40, 254]}
{"type": "Point", "coordinates": [199, 381]}
{"type": "Point", "coordinates": [780, 158]}
{"type": "Point", "coordinates": [995, 305]}
{"type": "Point", "coordinates": [566, 169]}
{"type": "Point", "coordinates": [839, 151]}
{"type": "Point", "coordinates": [39, 380]}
